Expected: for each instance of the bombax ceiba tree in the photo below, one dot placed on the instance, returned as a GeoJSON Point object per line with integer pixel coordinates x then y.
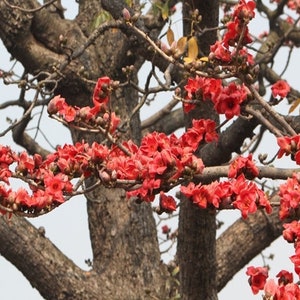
{"type": "Point", "coordinates": [85, 71]}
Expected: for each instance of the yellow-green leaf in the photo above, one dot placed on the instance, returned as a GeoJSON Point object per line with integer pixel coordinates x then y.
{"type": "Point", "coordinates": [175, 271]}
{"type": "Point", "coordinates": [165, 11]}
{"type": "Point", "coordinates": [170, 36]}
{"type": "Point", "coordinates": [192, 48]}
{"type": "Point", "coordinates": [204, 58]}
{"type": "Point", "coordinates": [181, 45]}
{"type": "Point", "coordinates": [101, 18]}
{"type": "Point", "coordinates": [188, 60]}
{"type": "Point", "coordinates": [294, 105]}
{"type": "Point", "coordinates": [129, 3]}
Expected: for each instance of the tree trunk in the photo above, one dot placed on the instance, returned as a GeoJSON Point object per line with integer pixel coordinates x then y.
{"type": "Point", "coordinates": [197, 227]}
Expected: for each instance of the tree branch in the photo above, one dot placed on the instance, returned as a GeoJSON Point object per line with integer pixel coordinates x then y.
{"type": "Point", "coordinates": [43, 264]}
{"type": "Point", "coordinates": [233, 251]}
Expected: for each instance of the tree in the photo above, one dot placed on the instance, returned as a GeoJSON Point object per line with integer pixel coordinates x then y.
{"type": "Point", "coordinates": [86, 71]}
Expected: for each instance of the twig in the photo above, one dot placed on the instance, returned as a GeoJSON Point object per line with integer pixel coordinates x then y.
{"type": "Point", "coordinates": [270, 110]}
{"type": "Point", "coordinates": [160, 114]}
{"type": "Point", "coordinates": [258, 115]}
{"type": "Point", "coordinates": [25, 115]}
{"type": "Point", "coordinates": [94, 130]}
{"type": "Point", "coordinates": [29, 10]}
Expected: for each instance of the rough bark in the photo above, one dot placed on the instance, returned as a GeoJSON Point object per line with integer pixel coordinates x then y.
{"type": "Point", "coordinates": [47, 269]}
{"type": "Point", "coordinates": [197, 227]}
{"type": "Point", "coordinates": [123, 234]}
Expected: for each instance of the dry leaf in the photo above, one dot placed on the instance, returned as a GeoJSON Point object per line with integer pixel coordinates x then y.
{"type": "Point", "coordinates": [170, 36]}
{"type": "Point", "coordinates": [294, 105]}
{"type": "Point", "coordinates": [192, 50]}
{"type": "Point", "coordinates": [181, 45]}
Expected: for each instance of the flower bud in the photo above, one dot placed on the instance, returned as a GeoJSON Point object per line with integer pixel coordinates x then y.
{"type": "Point", "coordinates": [126, 14]}
{"type": "Point", "coordinates": [104, 176]}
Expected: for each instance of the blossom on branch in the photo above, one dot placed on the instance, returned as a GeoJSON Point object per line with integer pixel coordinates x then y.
{"type": "Point", "coordinates": [289, 193]}
{"type": "Point", "coordinates": [281, 88]}
{"type": "Point", "coordinates": [258, 278]}
{"type": "Point", "coordinates": [102, 91]}
{"type": "Point", "coordinates": [243, 165]}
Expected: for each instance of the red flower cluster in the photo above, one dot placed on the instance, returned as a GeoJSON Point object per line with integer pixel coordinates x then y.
{"type": "Point", "coordinates": [291, 4]}
{"type": "Point", "coordinates": [289, 145]}
{"type": "Point", "coordinates": [97, 116]}
{"type": "Point", "coordinates": [290, 291]}
{"type": "Point", "coordinates": [201, 88]}
{"type": "Point", "coordinates": [227, 100]}
{"type": "Point", "coordinates": [284, 289]}
{"type": "Point", "coordinates": [47, 187]}
{"type": "Point", "coordinates": [238, 193]}
{"type": "Point", "coordinates": [244, 11]}
{"type": "Point", "coordinates": [238, 31]}
{"type": "Point", "coordinates": [230, 99]}
{"type": "Point", "coordinates": [160, 162]}
{"type": "Point", "coordinates": [289, 193]}
{"type": "Point", "coordinates": [237, 35]}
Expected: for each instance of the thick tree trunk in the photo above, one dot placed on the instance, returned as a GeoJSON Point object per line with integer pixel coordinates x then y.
{"type": "Point", "coordinates": [123, 234]}
{"type": "Point", "coordinates": [197, 227]}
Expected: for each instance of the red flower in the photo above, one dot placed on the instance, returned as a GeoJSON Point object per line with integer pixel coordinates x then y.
{"type": "Point", "coordinates": [289, 193]}
{"type": "Point", "coordinates": [6, 156]}
{"type": "Point", "coordinates": [114, 121]}
{"type": "Point", "coordinates": [280, 88]}
{"type": "Point", "coordinates": [167, 203]}
{"type": "Point", "coordinates": [55, 185]}
{"type": "Point", "coordinates": [284, 144]}
{"type": "Point", "coordinates": [22, 197]}
{"type": "Point", "coordinates": [289, 145]}
{"type": "Point", "coordinates": [165, 229]}
{"type": "Point", "coordinates": [284, 277]}
{"type": "Point", "coordinates": [5, 174]}
{"type": "Point", "coordinates": [192, 138]}
{"type": "Point", "coordinates": [188, 190]}
{"type": "Point", "coordinates": [41, 199]}
{"type": "Point", "coordinates": [246, 196]}
{"type": "Point", "coordinates": [258, 278]}
{"type": "Point", "coordinates": [243, 165]}
{"type": "Point", "coordinates": [245, 11]}
{"type": "Point", "coordinates": [220, 52]}
{"type": "Point", "coordinates": [193, 86]}
{"type": "Point", "coordinates": [296, 260]}
{"type": "Point", "coordinates": [230, 99]}
{"type": "Point", "coordinates": [101, 91]}
{"type": "Point", "coordinates": [270, 289]}
{"type": "Point", "coordinates": [291, 232]}
{"type": "Point", "coordinates": [233, 35]}
{"type": "Point", "coordinates": [56, 104]}
{"type": "Point", "coordinates": [69, 113]}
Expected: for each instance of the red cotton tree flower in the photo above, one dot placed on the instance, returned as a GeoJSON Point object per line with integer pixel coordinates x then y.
{"type": "Point", "coordinates": [158, 155]}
